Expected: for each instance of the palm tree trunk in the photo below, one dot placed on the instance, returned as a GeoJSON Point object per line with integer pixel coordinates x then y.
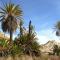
{"type": "Point", "coordinates": [11, 34]}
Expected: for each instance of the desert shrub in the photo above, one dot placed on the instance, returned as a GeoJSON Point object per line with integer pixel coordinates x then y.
{"type": "Point", "coordinates": [56, 50]}
{"type": "Point", "coordinates": [28, 41]}
{"type": "Point", "coordinates": [34, 45]}
{"type": "Point", "coordinates": [35, 48]}
{"type": "Point", "coordinates": [29, 46]}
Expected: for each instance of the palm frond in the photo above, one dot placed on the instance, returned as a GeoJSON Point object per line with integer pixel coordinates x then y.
{"type": "Point", "coordinates": [2, 18]}
{"type": "Point", "coordinates": [3, 10]}
{"type": "Point", "coordinates": [10, 10]}
{"type": "Point", "coordinates": [2, 13]}
{"type": "Point", "coordinates": [58, 25]}
{"type": "Point", "coordinates": [4, 26]}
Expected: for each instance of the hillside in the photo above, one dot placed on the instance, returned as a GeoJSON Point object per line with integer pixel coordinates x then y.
{"type": "Point", "coordinates": [48, 47]}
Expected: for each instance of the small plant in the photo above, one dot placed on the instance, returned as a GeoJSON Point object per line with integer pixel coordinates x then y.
{"type": "Point", "coordinates": [3, 42]}
{"type": "Point", "coordinates": [16, 50]}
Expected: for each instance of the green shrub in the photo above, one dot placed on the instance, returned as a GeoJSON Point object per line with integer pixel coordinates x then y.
{"type": "Point", "coordinates": [16, 50]}
{"type": "Point", "coordinates": [3, 42]}
{"type": "Point", "coordinates": [56, 50]}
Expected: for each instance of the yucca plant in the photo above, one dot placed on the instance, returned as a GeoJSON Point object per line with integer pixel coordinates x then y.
{"type": "Point", "coordinates": [9, 15]}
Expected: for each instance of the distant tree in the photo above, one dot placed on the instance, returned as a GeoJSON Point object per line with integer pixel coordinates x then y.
{"type": "Point", "coordinates": [9, 15]}
{"type": "Point", "coordinates": [57, 27]}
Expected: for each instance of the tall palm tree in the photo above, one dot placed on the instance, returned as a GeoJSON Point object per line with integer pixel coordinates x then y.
{"type": "Point", "coordinates": [57, 27]}
{"type": "Point", "coordinates": [9, 15]}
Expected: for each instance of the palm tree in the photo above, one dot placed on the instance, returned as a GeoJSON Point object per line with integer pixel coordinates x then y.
{"type": "Point", "coordinates": [57, 27]}
{"type": "Point", "coordinates": [9, 15]}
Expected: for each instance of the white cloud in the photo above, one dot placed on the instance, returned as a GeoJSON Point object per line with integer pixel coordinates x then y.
{"type": "Point", "coordinates": [42, 39]}
{"type": "Point", "coordinates": [46, 35]}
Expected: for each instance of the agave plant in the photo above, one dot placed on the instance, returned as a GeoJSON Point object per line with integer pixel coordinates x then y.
{"type": "Point", "coordinates": [9, 15]}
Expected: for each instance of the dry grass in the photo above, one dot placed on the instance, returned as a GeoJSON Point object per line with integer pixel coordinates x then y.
{"type": "Point", "coordinates": [25, 57]}
{"type": "Point", "coordinates": [54, 57]}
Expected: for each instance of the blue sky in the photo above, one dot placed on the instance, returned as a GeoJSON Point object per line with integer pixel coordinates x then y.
{"type": "Point", "coordinates": [44, 14]}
